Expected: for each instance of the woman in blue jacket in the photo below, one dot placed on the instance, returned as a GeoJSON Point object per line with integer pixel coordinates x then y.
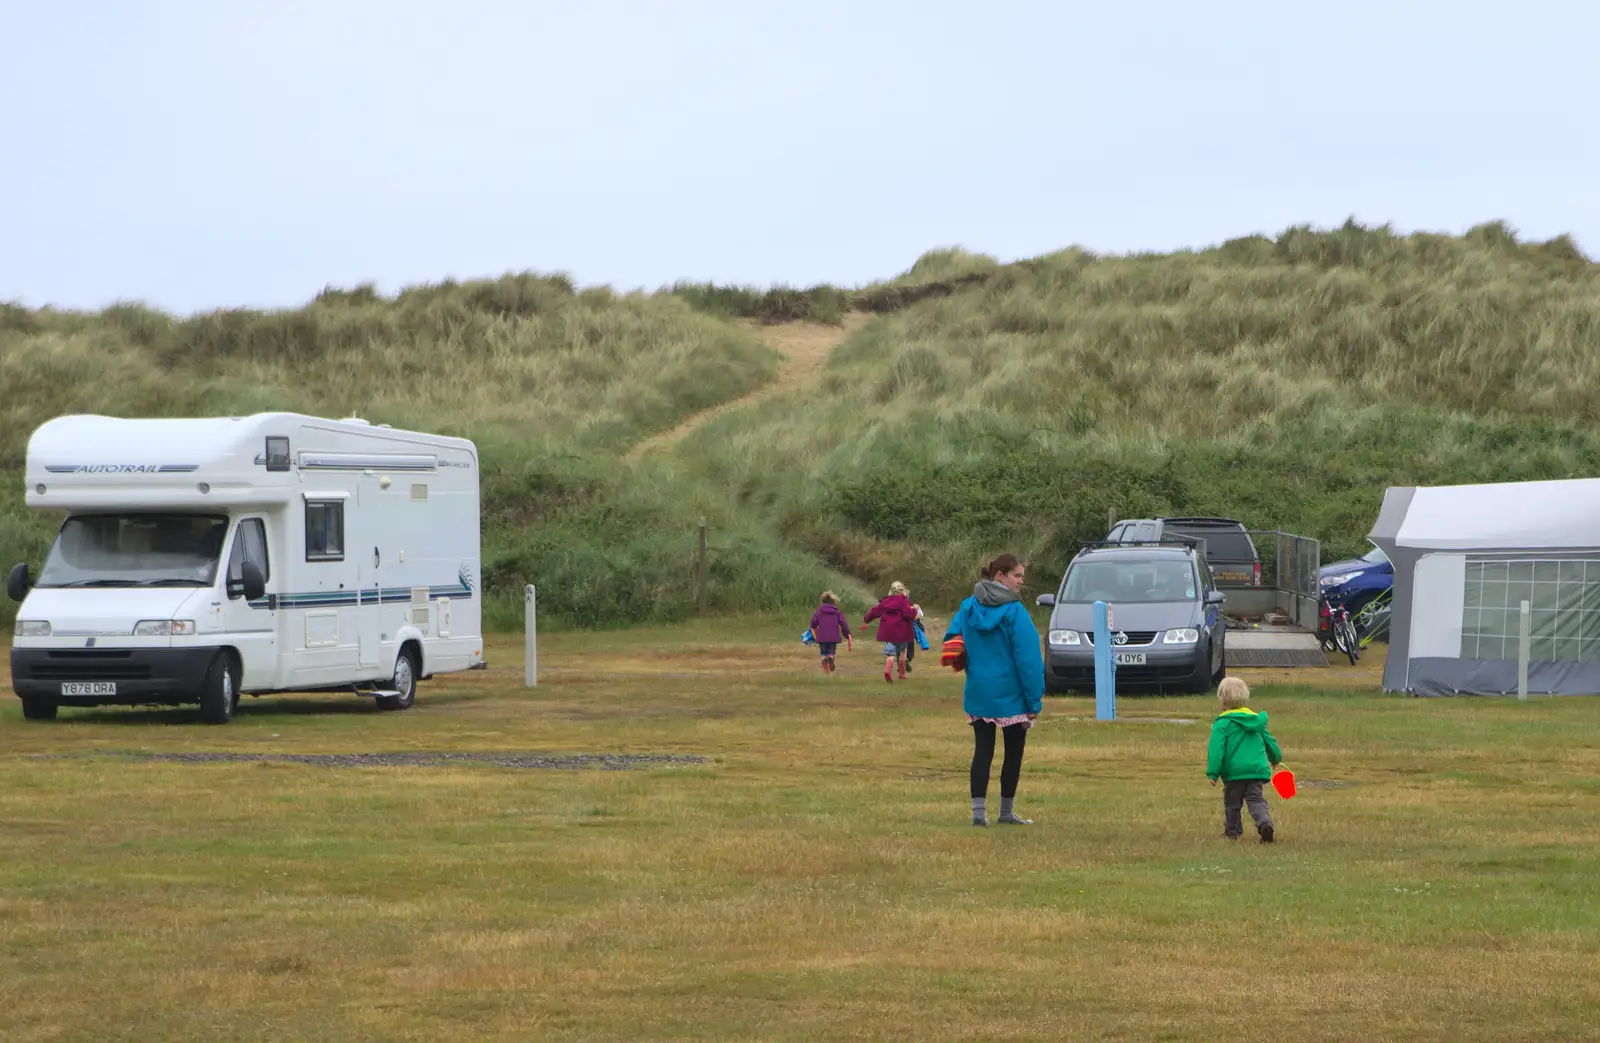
{"type": "Point", "coordinates": [1005, 680]}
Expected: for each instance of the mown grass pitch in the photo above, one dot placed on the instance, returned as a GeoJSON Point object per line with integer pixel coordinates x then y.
{"type": "Point", "coordinates": [815, 878]}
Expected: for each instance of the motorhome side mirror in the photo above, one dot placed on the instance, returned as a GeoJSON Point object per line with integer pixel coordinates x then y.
{"type": "Point", "coordinates": [1047, 601]}
{"type": "Point", "coordinates": [255, 585]}
{"type": "Point", "coordinates": [17, 583]}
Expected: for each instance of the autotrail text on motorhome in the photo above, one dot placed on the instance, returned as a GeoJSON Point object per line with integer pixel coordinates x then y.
{"type": "Point", "coordinates": [201, 559]}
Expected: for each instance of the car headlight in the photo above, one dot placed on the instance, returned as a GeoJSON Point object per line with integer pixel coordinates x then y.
{"type": "Point", "coordinates": [1340, 579]}
{"type": "Point", "coordinates": [1065, 637]}
{"type": "Point", "coordinates": [164, 628]}
{"type": "Point", "coordinates": [1182, 636]}
{"type": "Point", "coordinates": [32, 628]}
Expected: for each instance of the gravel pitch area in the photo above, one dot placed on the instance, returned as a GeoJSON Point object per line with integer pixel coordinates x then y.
{"type": "Point", "coordinates": [559, 761]}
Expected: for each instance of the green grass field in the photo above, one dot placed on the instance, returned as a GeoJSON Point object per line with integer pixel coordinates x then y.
{"type": "Point", "coordinates": [813, 879]}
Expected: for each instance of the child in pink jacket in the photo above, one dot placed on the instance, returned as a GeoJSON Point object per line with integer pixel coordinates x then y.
{"type": "Point", "coordinates": [896, 617]}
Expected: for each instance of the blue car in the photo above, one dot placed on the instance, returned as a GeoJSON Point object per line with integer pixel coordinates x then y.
{"type": "Point", "coordinates": [1362, 585]}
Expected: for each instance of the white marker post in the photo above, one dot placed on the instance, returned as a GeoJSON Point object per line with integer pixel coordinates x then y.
{"type": "Point", "coordinates": [530, 652]}
{"type": "Point", "coordinates": [1524, 632]}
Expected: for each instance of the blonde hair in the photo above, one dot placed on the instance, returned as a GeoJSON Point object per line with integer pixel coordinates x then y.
{"type": "Point", "coordinates": [830, 598]}
{"type": "Point", "coordinates": [1232, 693]}
{"type": "Point", "coordinates": [899, 588]}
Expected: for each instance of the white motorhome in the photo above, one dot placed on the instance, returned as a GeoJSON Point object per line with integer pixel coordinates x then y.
{"type": "Point", "coordinates": [201, 559]}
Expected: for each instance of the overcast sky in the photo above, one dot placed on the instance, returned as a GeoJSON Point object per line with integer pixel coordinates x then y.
{"type": "Point", "coordinates": [198, 154]}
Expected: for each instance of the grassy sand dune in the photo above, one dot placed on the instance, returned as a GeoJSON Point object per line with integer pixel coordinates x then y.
{"type": "Point", "coordinates": [969, 406]}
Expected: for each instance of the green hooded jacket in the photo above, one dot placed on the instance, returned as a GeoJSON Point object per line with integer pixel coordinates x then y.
{"type": "Point", "coordinates": [1241, 747]}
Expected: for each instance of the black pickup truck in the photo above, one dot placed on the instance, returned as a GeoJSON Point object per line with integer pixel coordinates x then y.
{"type": "Point", "coordinates": [1227, 544]}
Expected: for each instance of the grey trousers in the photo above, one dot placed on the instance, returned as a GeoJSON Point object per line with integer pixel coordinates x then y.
{"type": "Point", "coordinates": [1240, 793]}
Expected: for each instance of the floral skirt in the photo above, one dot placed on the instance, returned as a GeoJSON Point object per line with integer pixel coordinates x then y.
{"type": "Point", "coordinates": [1003, 722]}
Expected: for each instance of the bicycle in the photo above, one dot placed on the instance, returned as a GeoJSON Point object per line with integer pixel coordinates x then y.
{"type": "Point", "coordinates": [1341, 632]}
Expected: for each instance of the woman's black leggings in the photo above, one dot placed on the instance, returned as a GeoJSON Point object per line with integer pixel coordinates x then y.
{"type": "Point", "coordinates": [1016, 736]}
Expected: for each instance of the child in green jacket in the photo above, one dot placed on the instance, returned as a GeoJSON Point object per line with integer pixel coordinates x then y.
{"type": "Point", "coordinates": [1243, 754]}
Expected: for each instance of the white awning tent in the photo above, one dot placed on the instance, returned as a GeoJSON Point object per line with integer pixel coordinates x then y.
{"type": "Point", "coordinates": [1465, 558]}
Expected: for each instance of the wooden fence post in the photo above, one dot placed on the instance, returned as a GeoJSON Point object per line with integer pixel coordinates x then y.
{"type": "Point", "coordinates": [700, 572]}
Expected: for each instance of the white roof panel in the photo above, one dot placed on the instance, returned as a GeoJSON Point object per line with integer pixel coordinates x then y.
{"type": "Point", "coordinates": [1504, 516]}
{"type": "Point", "coordinates": [82, 462]}
{"type": "Point", "coordinates": [173, 445]}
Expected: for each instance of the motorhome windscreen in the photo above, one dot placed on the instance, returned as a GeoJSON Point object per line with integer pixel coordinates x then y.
{"type": "Point", "coordinates": [1125, 581]}
{"type": "Point", "coordinates": [135, 550]}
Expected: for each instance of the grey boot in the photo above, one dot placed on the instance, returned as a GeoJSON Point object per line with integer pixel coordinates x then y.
{"type": "Point", "coordinates": [1009, 816]}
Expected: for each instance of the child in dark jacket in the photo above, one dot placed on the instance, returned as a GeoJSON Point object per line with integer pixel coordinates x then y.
{"type": "Point", "coordinates": [919, 635]}
{"type": "Point", "coordinates": [1242, 753]}
{"type": "Point", "coordinates": [828, 628]}
{"type": "Point", "coordinates": [895, 617]}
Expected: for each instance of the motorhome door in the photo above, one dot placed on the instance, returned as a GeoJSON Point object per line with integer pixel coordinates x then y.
{"type": "Point", "coordinates": [252, 627]}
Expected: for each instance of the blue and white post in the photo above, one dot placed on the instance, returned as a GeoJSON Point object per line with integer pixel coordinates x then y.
{"type": "Point", "coordinates": [1105, 666]}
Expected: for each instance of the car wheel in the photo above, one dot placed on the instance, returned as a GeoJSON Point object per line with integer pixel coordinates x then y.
{"type": "Point", "coordinates": [1222, 664]}
{"type": "Point", "coordinates": [220, 696]}
{"type": "Point", "coordinates": [1202, 681]}
{"type": "Point", "coordinates": [38, 710]}
{"type": "Point", "coordinates": [404, 684]}
{"type": "Point", "coordinates": [1366, 616]}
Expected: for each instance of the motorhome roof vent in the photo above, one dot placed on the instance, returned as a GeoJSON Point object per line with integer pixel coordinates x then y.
{"type": "Point", "coordinates": [355, 420]}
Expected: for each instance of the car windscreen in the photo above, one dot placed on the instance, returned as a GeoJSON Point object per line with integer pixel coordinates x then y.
{"type": "Point", "coordinates": [1376, 556]}
{"type": "Point", "coordinates": [135, 550]}
{"type": "Point", "coordinates": [1223, 542]}
{"type": "Point", "coordinates": [1129, 581]}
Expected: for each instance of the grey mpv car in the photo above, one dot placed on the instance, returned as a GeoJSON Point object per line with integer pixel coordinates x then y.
{"type": "Point", "coordinates": [1166, 616]}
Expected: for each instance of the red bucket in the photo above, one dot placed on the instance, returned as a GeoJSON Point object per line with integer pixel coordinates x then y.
{"type": "Point", "coordinates": [1283, 782]}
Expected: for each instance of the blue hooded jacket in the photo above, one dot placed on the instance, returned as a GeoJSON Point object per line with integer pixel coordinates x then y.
{"type": "Point", "coordinates": [1005, 669]}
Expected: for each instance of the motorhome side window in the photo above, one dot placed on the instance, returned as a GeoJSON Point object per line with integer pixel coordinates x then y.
{"type": "Point", "coordinates": [325, 530]}
{"type": "Point", "coordinates": [249, 545]}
